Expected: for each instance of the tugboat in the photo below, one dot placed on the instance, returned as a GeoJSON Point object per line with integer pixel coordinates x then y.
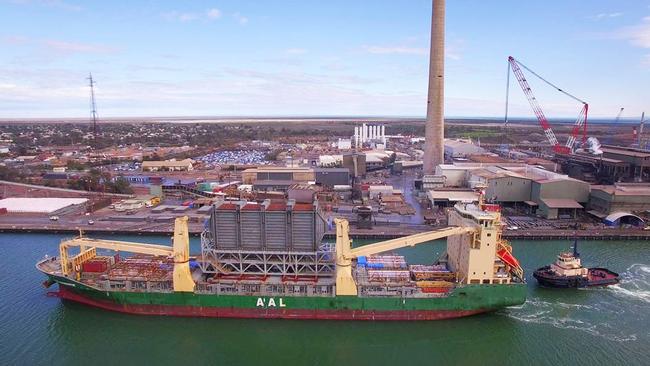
{"type": "Point", "coordinates": [568, 272]}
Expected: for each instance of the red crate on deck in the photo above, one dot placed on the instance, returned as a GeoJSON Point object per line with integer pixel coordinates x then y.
{"type": "Point", "coordinates": [94, 266]}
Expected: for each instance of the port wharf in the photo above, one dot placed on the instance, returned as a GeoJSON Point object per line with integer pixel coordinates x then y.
{"type": "Point", "coordinates": [376, 233]}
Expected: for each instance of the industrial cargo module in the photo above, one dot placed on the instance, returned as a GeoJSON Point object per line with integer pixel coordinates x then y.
{"type": "Point", "coordinates": [267, 260]}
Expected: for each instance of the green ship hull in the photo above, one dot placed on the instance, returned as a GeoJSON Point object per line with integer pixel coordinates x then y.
{"type": "Point", "coordinates": [463, 300]}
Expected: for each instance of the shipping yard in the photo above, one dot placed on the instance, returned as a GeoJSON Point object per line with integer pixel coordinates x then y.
{"type": "Point", "coordinates": [273, 175]}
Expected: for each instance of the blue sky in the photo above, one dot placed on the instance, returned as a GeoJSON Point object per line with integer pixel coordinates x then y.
{"type": "Point", "coordinates": [314, 58]}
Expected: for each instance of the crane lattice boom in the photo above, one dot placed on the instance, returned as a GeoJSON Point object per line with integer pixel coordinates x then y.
{"type": "Point", "coordinates": [579, 125]}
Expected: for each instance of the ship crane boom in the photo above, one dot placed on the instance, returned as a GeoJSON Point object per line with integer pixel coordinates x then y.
{"type": "Point", "coordinates": [345, 284]}
{"type": "Point", "coordinates": [182, 278]}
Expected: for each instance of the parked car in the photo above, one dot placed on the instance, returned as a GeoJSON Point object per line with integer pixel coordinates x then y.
{"type": "Point", "coordinates": [54, 218]}
{"type": "Point", "coordinates": [91, 222]}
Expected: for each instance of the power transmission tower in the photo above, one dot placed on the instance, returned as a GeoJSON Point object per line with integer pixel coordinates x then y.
{"type": "Point", "coordinates": [93, 108]}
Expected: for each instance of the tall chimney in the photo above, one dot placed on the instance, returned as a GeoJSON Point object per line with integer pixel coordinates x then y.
{"type": "Point", "coordinates": [435, 125]}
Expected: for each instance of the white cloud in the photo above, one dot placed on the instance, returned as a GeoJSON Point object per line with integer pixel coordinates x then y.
{"type": "Point", "coordinates": [240, 18]}
{"type": "Point", "coordinates": [213, 13]}
{"type": "Point", "coordinates": [638, 35]}
{"type": "Point", "coordinates": [646, 60]}
{"type": "Point", "coordinates": [605, 16]}
{"type": "Point", "coordinates": [186, 17]}
{"type": "Point", "coordinates": [180, 16]}
{"type": "Point", "coordinates": [58, 4]}
{"type": "Point", "coordinates": [207, 15]}
{"type": "Point", "coordinates": [400, 50]}
{"type": "Point", "coordinates": [15, 40]}
{"type": "Point", "coordinates": [452, 51]}
{"type": "Point", "coordinates": [296, 51]}
{"type": "Point", "coordinates": [76, 47]}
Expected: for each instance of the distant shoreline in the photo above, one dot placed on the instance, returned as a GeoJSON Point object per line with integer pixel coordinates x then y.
{"type": "Point", "coordinates": [488, 121]}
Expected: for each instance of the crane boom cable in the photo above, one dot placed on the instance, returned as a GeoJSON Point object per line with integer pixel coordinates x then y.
{"type": "Point", "coordinates": [537, 109]}
{"type": "Point", "coordinates": [549, 83]}
{"type": "Point", "coordinates": [505, 122]}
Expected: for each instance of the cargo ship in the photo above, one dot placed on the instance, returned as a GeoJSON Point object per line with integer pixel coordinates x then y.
{"type": "Point", "coordinates": [568, 272]}
{"type": "Point", "coordinates": [268, 260]}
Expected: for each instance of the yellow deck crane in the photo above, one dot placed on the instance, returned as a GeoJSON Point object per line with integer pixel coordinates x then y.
{"type": "Point", "coordinates": [180, 252]}
{"type": "Point", "coordinates": [345, 284]}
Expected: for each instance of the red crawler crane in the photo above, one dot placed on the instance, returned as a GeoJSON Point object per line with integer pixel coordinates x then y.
{"type": "Point", "coordinates": [580, 124]}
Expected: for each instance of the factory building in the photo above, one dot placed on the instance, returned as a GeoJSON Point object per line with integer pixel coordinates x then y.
{"type": "Point", "coordinates": [608, 199]}
{"type": "Point", "coordinates": [455, 175]}
{"type": "Point", "coordinates": [44, 205]}
{"type": "Point", "coordinates": [302, 193]}
{"type": "Point", "coordinates": [559, 198]}
{"type": "Point", "coordinates": [344, 144]}
{"type": "Point", "coordinates": [594, 168]}
{"type": "Point", "coordinates": [330, 177]}
{"type": "Point", "coordinates": [369, 133]}
{"type": "Point", "coordinates": [167, 165]}
{"type": "Point", "coordinates": [502, 186]}
{"type": "Point", "coordinates": [545, 193]}
{"type": "Point", "coordinates": [449, 197]}
{"type": "Point", "coordinates": [638, 159]}
{"type": "Point", "coordinates": [252, 175]}
{"type": "Point", "coordinates": [461, 148]}
{"type": "Point", "coordinates": [280, 179]}
{"type": "Point", "coordinates": [355, 163]}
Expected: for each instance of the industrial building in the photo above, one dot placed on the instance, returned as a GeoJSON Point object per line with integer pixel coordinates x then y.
{"type": "Point", "coordinates": [280, 179]}
{"type": "Point", "coordinates": [638, 159]}
{"type": "Point", "coordinates": [344, 144]}
{"type": "Point", "coordinates": [369, 133]}
{"type": "Point", "coordinates": [48, 205]}
{"type": "Point", "coordinates": [261, 174]}
{"type": "Point", "coordinates": [594, 168]}
{"type": "Point", "coordinates": [330, 177]}
{"type": "Point", "coordinates": [545, 193]}
{"type": "Point", "coordinates": [461, 148]}
{"type": "Point", "coordinates": [167, 165]}
{"type": "Point", "coordinates": [607, 199]}
{"type": "Point", "coordinates": [449, 197]}
{"type": "Point", "coordinates": [355, 163]}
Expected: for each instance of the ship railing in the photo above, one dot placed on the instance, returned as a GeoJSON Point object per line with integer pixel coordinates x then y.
{"type": "Point", "coordinates": [294, 290]}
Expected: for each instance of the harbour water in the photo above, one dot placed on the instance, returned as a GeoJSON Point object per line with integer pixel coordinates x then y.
{"type": "Point", "coordinates": [580, 327]}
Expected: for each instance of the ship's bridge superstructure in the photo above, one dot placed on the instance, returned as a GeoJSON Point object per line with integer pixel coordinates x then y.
{"type": "Point", "coordinates": [568, 264]}
{"type": "Point", "coordinates": [485, 258]}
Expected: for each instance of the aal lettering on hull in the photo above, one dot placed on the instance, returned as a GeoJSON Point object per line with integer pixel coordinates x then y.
{"type": "Point", "coordinates": [270, 302]}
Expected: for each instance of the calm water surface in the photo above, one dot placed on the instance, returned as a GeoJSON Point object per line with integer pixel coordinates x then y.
{"type": "Point", "coordinates": [581, 327]}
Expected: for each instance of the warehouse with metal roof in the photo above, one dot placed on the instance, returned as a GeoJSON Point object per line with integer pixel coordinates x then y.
{"type": "Point", "coordinates": [46, 205]}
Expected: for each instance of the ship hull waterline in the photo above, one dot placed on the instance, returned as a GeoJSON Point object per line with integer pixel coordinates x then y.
{"type": "Point", "coordinates": [468, 301]}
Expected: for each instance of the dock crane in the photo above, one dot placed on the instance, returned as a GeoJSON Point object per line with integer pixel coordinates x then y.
{"type": "Point", "coordinates": [612, 130]}
{"type": "Point", "coordinates": [580, 124]}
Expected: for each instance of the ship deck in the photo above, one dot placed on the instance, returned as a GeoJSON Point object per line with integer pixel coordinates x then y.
{"type": "Point", "coordinates": [145, 273]}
